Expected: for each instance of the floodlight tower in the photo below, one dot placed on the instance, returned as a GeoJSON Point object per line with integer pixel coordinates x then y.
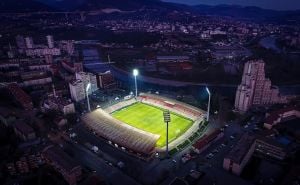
{"type": "Point", "coordinates": [167, 119]}
{"type": "Point", "coordinates": [87, 96]}
{"type": "Point", "coordinates": [208, 105]}
{"type": "Point", "coordinates": [135, 74]}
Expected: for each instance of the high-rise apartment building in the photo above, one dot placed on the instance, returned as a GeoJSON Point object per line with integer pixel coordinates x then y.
{"type": "Point", "coordinates": [29, 43]}
{"type": "Point", "coordinates": [88, 78]}
{"type": "Point", "coordinates": [50, 41]}
{"type": "Point", "coordinates": [77, 90]}
{"type": "Point", "coordinates": [255, 89]}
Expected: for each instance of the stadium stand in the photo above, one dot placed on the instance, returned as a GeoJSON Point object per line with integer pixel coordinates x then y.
{"type": "Point", "coordinates": [172, 105]}
{"type": "Point", "coordinates": [120, 133]}
{"type": "Point", "coordinates": [120, 105]}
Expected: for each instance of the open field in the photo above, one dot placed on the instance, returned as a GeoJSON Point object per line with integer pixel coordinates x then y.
{"type": "Point", "coordinates": [150, 119]}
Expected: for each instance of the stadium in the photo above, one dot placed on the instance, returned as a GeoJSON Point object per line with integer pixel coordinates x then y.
{"type": "Point", "coordinates": [137, 125]}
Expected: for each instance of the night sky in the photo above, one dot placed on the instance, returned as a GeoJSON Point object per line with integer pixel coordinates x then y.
{"type": "Point", "coordinates": [269, 4]}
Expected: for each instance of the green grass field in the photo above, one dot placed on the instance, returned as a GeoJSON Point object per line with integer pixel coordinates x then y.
{"type": "Point", "coordinates": [150, 119]}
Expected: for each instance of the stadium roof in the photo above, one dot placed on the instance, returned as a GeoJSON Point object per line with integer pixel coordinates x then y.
{"type": "Point", "coordinates": [120, 133]}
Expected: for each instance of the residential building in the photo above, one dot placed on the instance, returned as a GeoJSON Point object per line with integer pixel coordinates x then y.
{"type": "Point", "coordinates": [60, 104]}
{"type": "Point", "coordinates": [7, 117]}
{"type": "Point", "coordinates": [24, 131]}
{"type": "Point", "coordinates": [238, 157]}
{"type": "Point", "coordinates": [29, 43]}
{"type": "Point", "coordinates": [72, 67]}
{"type": "Point", "coordinates": [241, 153]}
{"type": "Point", "coordinates": [35, 78]}
{"type": "Point", "coordinates": [60, 121]}
{"type": "Point", "coordinates": [67, 46]}
{"type": "Point", "coordinates": [281, 115]}
{"type": "Point", "coordinates": [20, 96]}
{"type": "Point", "coordinates": [77, 90]}
{"type": "Point", "coordinates": [50, 41]}
{"type": "Point", "coordinates": [22, 165]}
{"type": "Point", "coordinates": [255, 89]}
{"type": "Point", "coordinates": [63, 164]}
{"type": "Point", "coordinates": [42, 51]}
{"type": "Point", "coordinates": [87, 78]}
{"type": "Point", "coordinates": [271, 148]}
{"type": "Point", "coordinates": [164, 59]}
{"type": "Point", "coordinates": [49, 59]}
{"type": "Point", "coordinates": [106, 80]}
{"type": "Point", "coordinates": [20, 42]}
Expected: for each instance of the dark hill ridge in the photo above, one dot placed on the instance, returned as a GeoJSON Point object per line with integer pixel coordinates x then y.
{"type": "Point", "coordinates": [124, 5]}
{"type": "Point", "coordinates": [72, 5]}
{"type": "Point", "coordinates": [23, 6]}
{"type": "Point", "coordinates": [250, 12]}
{"type": "Point", "coordinates": [240, 12]}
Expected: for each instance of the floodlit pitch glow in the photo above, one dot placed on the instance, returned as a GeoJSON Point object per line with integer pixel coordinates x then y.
{"type": "Point", "coordinates": [149, 118]}
{"type": "Point", "coordinates": [135, 72]}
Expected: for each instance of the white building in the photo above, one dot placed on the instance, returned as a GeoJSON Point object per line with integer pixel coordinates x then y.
{"type": "Point", "coordinates": [88, 78]}
{"type": "Point", "coordinates": [50, 41]}
{"type": "Point", "coordinates": [43, 52]}
{"type": "Point", "coordinates": [29, 43]}
{"type": "Point", "coordinates": [77, 90]}
{"type": "Point", "coordinates": [255, 88]}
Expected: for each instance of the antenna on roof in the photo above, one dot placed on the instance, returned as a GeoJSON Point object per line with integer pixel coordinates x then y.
{"type": "Point", "coordinates": [9, 45]}
{"type": "Point", "coordinates": [108, 58]}
{"type": "Point", "coordinates": [54, 92]}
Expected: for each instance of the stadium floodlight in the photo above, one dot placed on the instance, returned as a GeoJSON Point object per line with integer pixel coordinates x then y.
{"type": "Point", "coordinates": [135, 74]}
{"type": "Point", "coordinates": [208, 105]}
{"type": "Point", "coordinates": [167, 119]}
{"type": "Point", "coordinates": [87, 96]}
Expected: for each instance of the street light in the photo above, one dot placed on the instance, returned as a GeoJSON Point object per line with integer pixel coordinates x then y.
{"type": "Point", "coordinates": [208, 106]}
{"type": "Point", "coordinates": [87, 96]}
{"type": "Point", "coordinates": [135, 74]}
{"type": "Point", "coordinates": [167, 119]}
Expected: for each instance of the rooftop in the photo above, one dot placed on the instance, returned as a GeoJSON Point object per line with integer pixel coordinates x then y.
{"type": "Point", "coordinates": [60, 101]}
{"type": "Point", "coordinates": [24, 128]}
{"type": "Point", "coordinates": [19, 94]}
{"type": "Point", "coordinates": [276, 114]}
{"type": "Point", "coordinates": [75, 82]}
{"type": "Point", "coordinates": [55, 154]}
{"type": "Point", "coordinates": [172, 58]}
{"type": "Point", "coordinates": [239, 151]}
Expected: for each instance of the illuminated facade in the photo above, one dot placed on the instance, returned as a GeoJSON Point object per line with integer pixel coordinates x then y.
{"type": "Point", "coordinates": [255, 89]}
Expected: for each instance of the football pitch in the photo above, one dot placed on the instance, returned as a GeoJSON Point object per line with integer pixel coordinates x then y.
{"type": "Point", "coordinates": [150, 119]}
